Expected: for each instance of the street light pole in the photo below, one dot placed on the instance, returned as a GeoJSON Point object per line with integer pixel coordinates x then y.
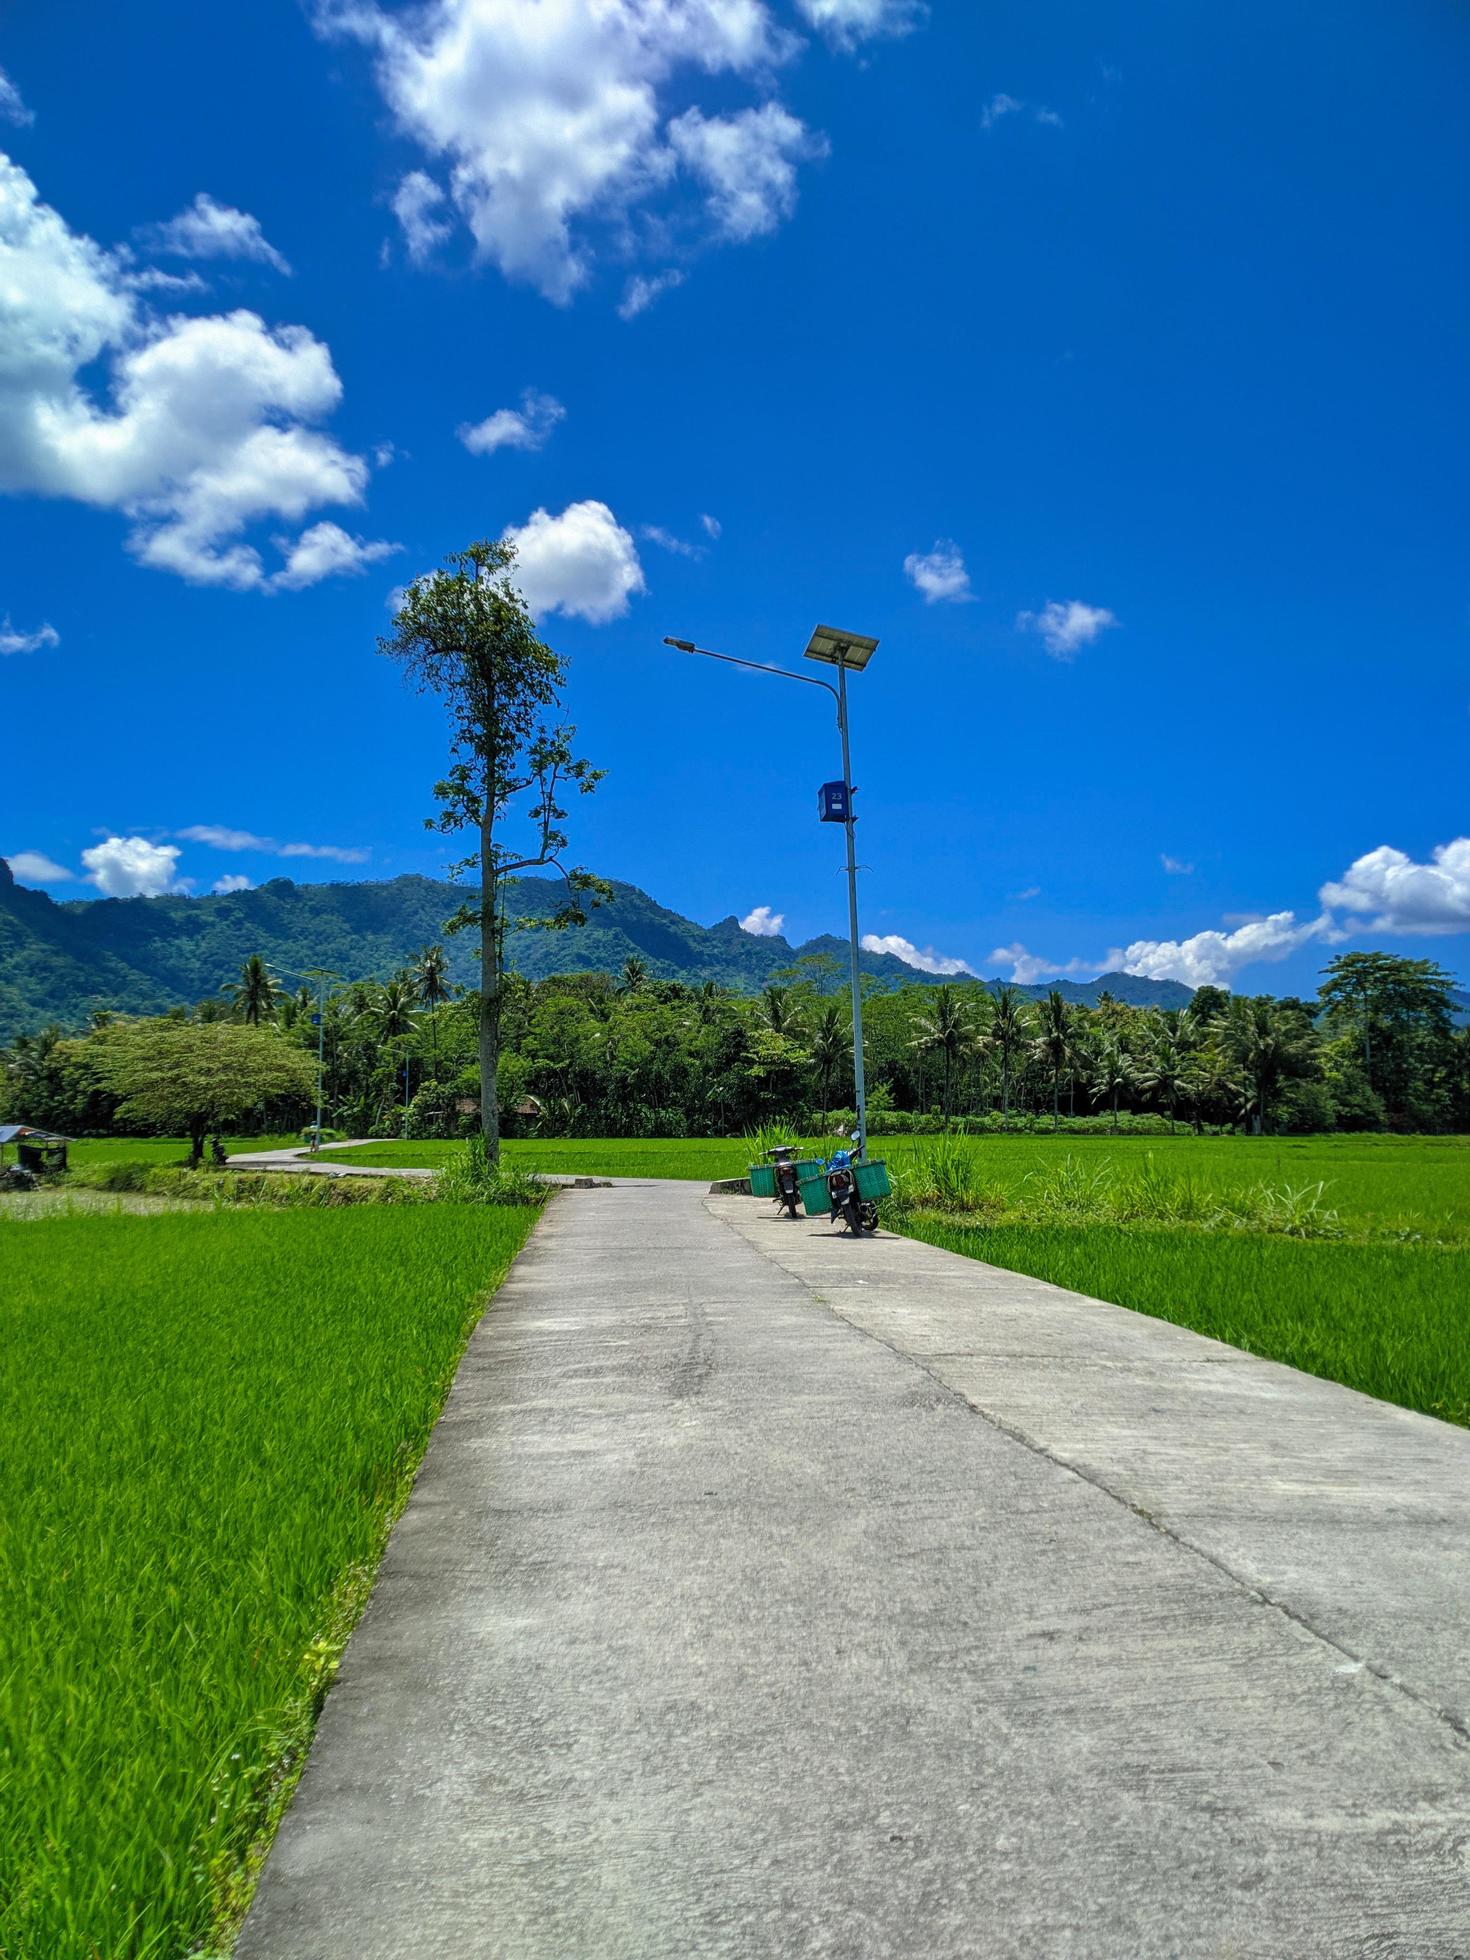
{"type": "Point", "coordinates": [839, 650]}
{"type": "Point", "coordinates": [859, 1083]}
{"type": "Point", "coordinates": [321, 975]}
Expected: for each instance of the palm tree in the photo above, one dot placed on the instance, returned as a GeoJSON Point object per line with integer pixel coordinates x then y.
{"type": "Point", "coordinates": [707, 1003]}
{"type": "Point", "coordinates": [1112, 1072]}
{"type": "Point", "coordinates": [829, 1044]}
{"type": "Point", "coordinates": [780, 1009]}
{"type": "Point", "coordinates": [393, 1013]}
{"type": "Point", "coordinates": [1007, 1036]}
{"type": "Point", "coordinates": [945, 1030]}
{"type": "Point", "coordinates": [254, 993]}
{"type": "Point", "coordinates": [431, 977]}
{"type": "Point", "coordinates": [634, 974]}
{"type": "Point", "coordinates": [1165, 1065]}
{"type": "Point", "coordinates": [1054, 1047]}
{"type": "Point", "coordinates": [1268, 1043]}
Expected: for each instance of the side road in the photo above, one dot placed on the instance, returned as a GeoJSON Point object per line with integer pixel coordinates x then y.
{"type": "Point", "coordinates": [765, 1592]}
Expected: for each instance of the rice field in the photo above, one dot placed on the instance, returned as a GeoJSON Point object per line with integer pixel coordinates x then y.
{"type": "Point", "coordinates": [1375, 1183]}
{"type": "Point", "coordinates": [207, 1424]}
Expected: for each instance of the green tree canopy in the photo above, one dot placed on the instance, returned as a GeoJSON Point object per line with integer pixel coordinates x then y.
{"type": "Point", "coordinates": [196, 1076]}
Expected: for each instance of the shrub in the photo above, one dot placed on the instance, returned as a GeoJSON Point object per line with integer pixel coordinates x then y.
{"type": "Point", "coordinates": [469, 1179]}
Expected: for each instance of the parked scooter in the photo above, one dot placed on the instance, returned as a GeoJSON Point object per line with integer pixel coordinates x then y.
{"type": "Point", "coordinates": [860, 1214]}
{"type": "Point", "coordinates": [788, 1189]}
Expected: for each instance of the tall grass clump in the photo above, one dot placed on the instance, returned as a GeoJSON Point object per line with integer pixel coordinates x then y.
{"type": "Point", "coordinates": [468, 1179]}
{"type": "Point", "coordinates": [208, 1421]}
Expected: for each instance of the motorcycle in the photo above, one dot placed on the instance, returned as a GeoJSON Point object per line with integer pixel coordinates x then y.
{"type": "Point", "coordinates": [788, 1188]}
{"type": "Point", "coordinates": [860, 1214]}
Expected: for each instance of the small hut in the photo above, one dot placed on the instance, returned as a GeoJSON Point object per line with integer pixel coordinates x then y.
{"type": "Point", "coordinates": [35, 1150]}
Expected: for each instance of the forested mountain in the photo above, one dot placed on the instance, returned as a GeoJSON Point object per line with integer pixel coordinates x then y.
{"type": "Point", "coordinates": [143, 955]}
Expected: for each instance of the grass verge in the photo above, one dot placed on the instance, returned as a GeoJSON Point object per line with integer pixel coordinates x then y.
{"type": "Point", "coordinates": [208, 1422]}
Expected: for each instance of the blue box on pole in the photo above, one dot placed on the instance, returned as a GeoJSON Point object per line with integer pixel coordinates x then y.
{"type": "Point", "coordinates": [832, 803]}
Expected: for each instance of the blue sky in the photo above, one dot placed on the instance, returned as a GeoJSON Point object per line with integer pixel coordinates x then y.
{"type": "Point", "coordinates": [1107, 362]}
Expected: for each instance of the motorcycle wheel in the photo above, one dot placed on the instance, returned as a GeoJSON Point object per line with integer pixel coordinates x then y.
{"type": "Point", "coordinates": [853, 1212]}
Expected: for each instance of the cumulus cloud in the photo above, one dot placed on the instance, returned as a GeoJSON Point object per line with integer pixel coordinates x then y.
{"type": "Point", "coordinates": [763, 922]}
{"type": "Point", "coordinates": [12, 109]}
{"type": "Point", "coordinates": [206, 230]}
{"type": "Point", "coordinates": [132, 867]}
{"type": "Point", "coordinates": [747, 162]}
{"type": "Point", "coordinates": [1397, 895]}
{"type": "Point", "coordinates": [1176, 867]}
{"type": "Point", "coordinates": [233, 881]}
{"type": "Point", "coordinates": [1211, 959]}
{"type": "Point", "coordinates": [325, 550]}
{"type": "Point", "coordinates": [209, 424]}
{"type": "Point", "coordinates": [940, 573]}
{"type": "Point", "coordinates": [582, 563]}
{"type": "Point", "coordinates": [224, 837]}
{"type": "Point", "coordinates": [526, 427]}
{"type": "Point", "coordinates": [547, 123]}
{"type": "Point", "coordinates": [925, 959]}
{"type": "Point", "coordinates": [35, 868]}
{"type": "Point", "coordinates": [640, 292]}
{"type": "Point", "coordinates": [1066, 626]}
{"type": "Point", "coordinates": [847, 22]}
{"type": "Point", "coordinates": [1027, 968]}
{"type": "Point", "coordinates": [12, 640]}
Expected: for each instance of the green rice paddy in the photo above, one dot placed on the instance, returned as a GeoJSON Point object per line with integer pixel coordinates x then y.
{"type": "Point", "coordinates": [207, 1424]}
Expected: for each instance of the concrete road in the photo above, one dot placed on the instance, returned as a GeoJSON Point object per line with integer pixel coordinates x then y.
{"type": "Point", "coordinates": [766, 1593]}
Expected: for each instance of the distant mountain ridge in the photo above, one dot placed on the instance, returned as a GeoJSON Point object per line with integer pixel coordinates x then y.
{"type": "Point", "coordinates": [60, 960]}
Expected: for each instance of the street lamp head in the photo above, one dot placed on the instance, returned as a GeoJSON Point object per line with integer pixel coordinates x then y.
{"type": "Point", "coordinates": [840, 649]}
{"type": "Point", "coordinates": [684, 646]}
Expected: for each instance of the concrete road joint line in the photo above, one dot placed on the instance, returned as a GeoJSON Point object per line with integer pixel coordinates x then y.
{"type": "Point", "coordinates": [1457, 1728]}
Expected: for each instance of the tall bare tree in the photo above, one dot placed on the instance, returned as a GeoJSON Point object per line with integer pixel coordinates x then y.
{"type": "Point", "coordinates": [467, 635]}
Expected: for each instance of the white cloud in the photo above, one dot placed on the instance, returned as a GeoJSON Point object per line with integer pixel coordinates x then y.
{"type": "Point", "coordinates": [526, 427]}
{"type": "Point", "coordinates": [1028, 968]}
{"type": "Point", "coordinates": [206, 230]}
{"type": "Point", "coordinates": [325, 550]}
{"type": "Point", "coordinates": [208, 426]}
{"type": "Point", "coordinates": [1402, 896]}
{"type": "Point", "coordinates": [37, 869]}
{"type": "Point", "coordinates": [1176, 867]}
{"type": "Point", "coordinates": [1020, 898]}
{"type": "Point", "coordinates": [418, 205]}
{"type": "Point", "coordinates": [233, 881]}
{"type": "Point", "coordinates": [1213, 958]}
{"type": "Point", "coordinates": [547, 120]}
{"type": "Point", "coordinates": [12, 640]}
{"type": "Point", "coordinates": [667, 541]}
{"type": "Point", "coordinates": [763, 922]}
{"type": "Point", "coordinates": [940, 573]}
{"type": "Point", "coordinates": [640, 292]}
{"type": "Point", "coordinates": [846, 22]}
{"type": "Point", "coordinates": [223, 837]}
{"type": "Point", "coordinates": [1001, 106]}
{"type": "Point", "coordinates": [927, 960]}
{"type": "Point", "coordinates": [711, 525]}
{"type": "Point", "coordinates": [1066, 626]}
{"type": "Point", "coordinates": [747, 162]}
{"type": "Point", "coordinates": [338, 853]}
{"type": "Point", "coordinates": [132, 867]}
{"type": "Point", "coordinates": [12, 109]}
{"type": "Point", "coordinates": [582, 563]}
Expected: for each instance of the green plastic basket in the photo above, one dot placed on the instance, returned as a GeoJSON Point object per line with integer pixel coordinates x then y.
{"type": "Point", "coordinates": [762, 1180]}
{"type": "Point", "coordinates": [814, 1199]}
{"type": "Point", "coordinates": [872, 1180]}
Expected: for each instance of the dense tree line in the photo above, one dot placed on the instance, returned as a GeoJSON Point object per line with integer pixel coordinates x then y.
{"type": "Point", "coordinates": [590, 1054]}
